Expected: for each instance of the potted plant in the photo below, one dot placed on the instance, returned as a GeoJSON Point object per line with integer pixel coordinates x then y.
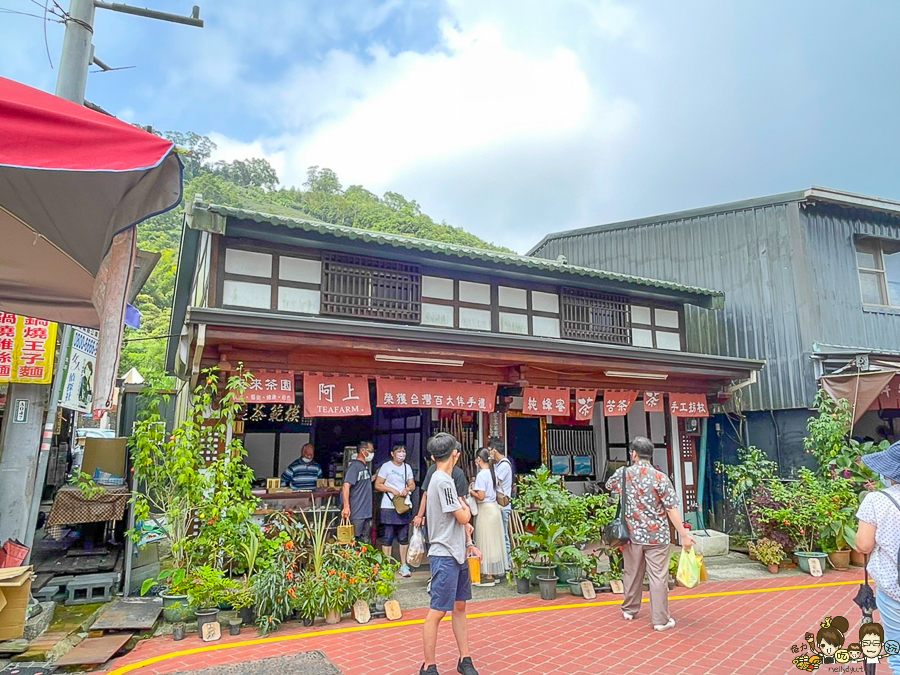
{"type": "Point", "coordinates": [175, 486]}
{"type": "Point", "coordinates": [769, 552]}
{"type": "Point", "coordinates": [550, 548]}
{"type": "Point", "coordinates": [172, 589]}
{"type": "Point", "coordinates": [806, 509]}
{"type": "Point", "coordinates": [839, 535]}
{"type": "Point", "coordinates": [208, 588]}
{"type": "Point", "coordinates": [521, 557]}
{"type": "Point", "coordinates": [587, 565]}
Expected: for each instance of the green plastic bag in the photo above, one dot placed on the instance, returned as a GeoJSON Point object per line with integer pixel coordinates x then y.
{"type": "Point", "coordinates": [688, 574]}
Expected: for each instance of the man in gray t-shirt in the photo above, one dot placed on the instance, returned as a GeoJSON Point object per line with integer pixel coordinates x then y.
{"type": "Point", "coordinates": [356, 493]}
{"type": "Point", "coordinates": [450, 534]}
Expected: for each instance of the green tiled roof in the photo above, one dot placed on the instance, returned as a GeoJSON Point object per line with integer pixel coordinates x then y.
{"type": "Point", "coordinates": [449, 250]}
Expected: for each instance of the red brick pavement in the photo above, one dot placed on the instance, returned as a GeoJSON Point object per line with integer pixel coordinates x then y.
{"type": "Point", "coordinates": [747, 633]}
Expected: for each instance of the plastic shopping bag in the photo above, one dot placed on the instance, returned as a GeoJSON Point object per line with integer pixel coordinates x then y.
{"type": "Point", "coordinates": [416, 552]}
{"type": "Point", "coordinates": [689, 563]}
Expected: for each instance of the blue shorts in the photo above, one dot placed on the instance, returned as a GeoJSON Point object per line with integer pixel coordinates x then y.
{"type": "Point", "coordinates": [450, 583]}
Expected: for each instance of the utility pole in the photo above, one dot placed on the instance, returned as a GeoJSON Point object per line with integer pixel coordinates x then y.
{"type": "Point", "coordinates": [77, 52]}
{"type": "Point", "coordinates": [29, 473]}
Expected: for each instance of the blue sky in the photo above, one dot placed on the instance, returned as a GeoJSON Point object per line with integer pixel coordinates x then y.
{"type": "Point", "coordinates": [514, 118]}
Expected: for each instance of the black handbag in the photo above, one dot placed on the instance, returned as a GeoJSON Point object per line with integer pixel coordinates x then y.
{"type": "Point", "coordinates": [616, 533]}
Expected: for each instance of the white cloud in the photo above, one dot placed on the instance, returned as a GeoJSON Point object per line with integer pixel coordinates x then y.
{"type": "Point", "coordinates": [497, 129]}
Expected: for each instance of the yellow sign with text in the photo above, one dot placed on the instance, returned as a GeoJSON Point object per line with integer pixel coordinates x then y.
{"type": "Point", "coordinates": [27, 348]}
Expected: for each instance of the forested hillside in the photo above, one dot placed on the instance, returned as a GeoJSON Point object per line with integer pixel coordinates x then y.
{"type": "Point", "coordinates": [253, 184]}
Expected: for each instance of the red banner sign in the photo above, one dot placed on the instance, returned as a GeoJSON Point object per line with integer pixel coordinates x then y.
{"type": "Point", "coordinates": [889, 399]}
{"type": "Point", "coordinates": [688, 405]}
{"type": "Point", "coordinates": [267, 386]}
{"type": "Point", "coordinates": [584, 404]}
{"type": "Point", "coordinates": [336, 395]}
{"type": "Point", "coordinates": [653, 402]}
{"type": "Point", "coordinates": [537, 401]}
{"type": "Point", "coordinates": [618, 403]}
{"type": "Point", "coordinates": [402, 393]}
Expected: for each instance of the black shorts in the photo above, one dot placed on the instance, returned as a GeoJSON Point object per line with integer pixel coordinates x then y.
{"type": "Point", "coordinates": [388, 533]}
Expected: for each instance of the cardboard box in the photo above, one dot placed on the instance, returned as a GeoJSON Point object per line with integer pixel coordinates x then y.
{"type": "Point", "coordinates": [106, 454]}
{"type": "Point", "coordinates": [15, 589]}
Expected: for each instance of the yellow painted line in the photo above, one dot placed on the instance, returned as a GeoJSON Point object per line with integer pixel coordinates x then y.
{"type": "Point", "coordinates": [418, 622]}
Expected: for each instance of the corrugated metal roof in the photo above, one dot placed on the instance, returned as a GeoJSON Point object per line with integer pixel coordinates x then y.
{"type": "Point", "coordinates": [450, 250]}
{"type": "Point", "coordinates": [812, 195]}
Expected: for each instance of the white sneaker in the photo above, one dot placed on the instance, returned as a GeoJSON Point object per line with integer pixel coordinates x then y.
{"type": "Point", "coordinates": [627, 616]}
{"type": "Point", "coordinates": [669, 624]}
{"type": "Point", "coordinates": [404, 571]}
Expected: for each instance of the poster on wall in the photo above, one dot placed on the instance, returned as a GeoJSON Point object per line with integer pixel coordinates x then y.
{"type": "Point", "coordinates": [440, 394]}
{"type": "Point", "coordinates": [27, 348]}
{"type": "Point", "coordinates": [539, 401]}
{"type": "Point", "coordinates": [618, 403]}
{"type": "Point", "coordinates": [688, 405]}
{"type": "Point", "coordinates": [77, 385]}
{"type": "Point", "coordinates": [336, 395]}
{"type": "Point", "coordinates": [267, 386]}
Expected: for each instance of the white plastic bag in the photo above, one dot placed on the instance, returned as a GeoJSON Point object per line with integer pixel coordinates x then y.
{"type": "Point", "coordinates": [416, 552]}
{"type": "Point", "coordinates": [473, 504]}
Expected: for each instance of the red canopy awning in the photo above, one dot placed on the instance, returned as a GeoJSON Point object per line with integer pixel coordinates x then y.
{"type": "Point", "coordinates": [70, 180]}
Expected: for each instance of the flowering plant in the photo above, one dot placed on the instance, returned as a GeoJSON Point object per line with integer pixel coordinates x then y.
{"type": "Point", "coordinates": [805, 509]}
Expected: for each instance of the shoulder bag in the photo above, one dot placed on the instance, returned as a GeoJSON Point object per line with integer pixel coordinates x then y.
{"type": "Point", "coordinates": [402, 505]}
{"type": "Point", "coordinates": [504, 499]}
{"type": "Point", "coordinates": [616, 533]}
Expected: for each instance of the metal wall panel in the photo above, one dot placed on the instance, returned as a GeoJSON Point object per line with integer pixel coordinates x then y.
{"type": "Point", "coordinates": [842, 320]}
{"type": "Point", "coordinates": [747, 253]}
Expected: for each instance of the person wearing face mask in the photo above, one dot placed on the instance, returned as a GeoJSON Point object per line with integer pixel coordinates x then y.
{"type": "Point", "coordinates": [395, 479]}
{"type": "Point", "coordinates": [879, 535]}
{"type": "Point", "coordinates": [356, 492]}
{"type": "Point", "coordinates": [302, 473]}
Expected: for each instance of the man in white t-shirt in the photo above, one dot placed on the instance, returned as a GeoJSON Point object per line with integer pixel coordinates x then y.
{"type": "Point", "coordinates": [503, 468]}
{"type": "Point", "coordinates": [450, 536]}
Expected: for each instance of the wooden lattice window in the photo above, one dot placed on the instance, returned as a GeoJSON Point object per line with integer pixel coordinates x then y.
{"type": "Point", "coordinates": [369, 288]}
{"type": "Point", "coordinates": [596, 317]}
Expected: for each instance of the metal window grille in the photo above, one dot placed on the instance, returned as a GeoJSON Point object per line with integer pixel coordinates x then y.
{"type": "Point", "coordinates": [369, 288]}
{"type": "Point", "coordinates": [596, 317]}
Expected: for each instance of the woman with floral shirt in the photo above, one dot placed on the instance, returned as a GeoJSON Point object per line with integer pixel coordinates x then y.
{"type": "Point", "coordinates": [650, 503]}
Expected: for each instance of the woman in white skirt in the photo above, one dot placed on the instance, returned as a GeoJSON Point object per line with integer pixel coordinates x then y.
{"type": "Point", "coordinates": [489, 522]}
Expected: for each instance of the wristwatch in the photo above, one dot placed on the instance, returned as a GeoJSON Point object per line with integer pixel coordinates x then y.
{"type": "Point", "coordinates": [470, 543]}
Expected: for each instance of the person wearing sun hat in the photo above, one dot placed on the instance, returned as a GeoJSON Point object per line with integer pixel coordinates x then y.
{"type": "Point", "coordinates": [879, 535]}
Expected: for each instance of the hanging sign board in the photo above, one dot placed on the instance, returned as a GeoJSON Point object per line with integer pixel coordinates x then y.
{"type": "Point", "coordinates": [538, 401]}
{"type": "Point", "coordinates": [27, 347]}
{"type": "Point", "coordinates": [77, 386]}
{"type": "Point", "coordinates": [618, 403]}
{"type": "Point", "coordinates": [653, 402]}
{"type": "Point", "coordinates": [336, 395]}
{"type": "Point", "coordinates": [688, 405]}
{"type": "Point", "coordinates": [584, 404]}
{"type": "Point", "coordinates": [442, 394]}
{"type": "Point", "coordinates": [266, 386]}
{"type": "Point", "coordinates": [889, 399]}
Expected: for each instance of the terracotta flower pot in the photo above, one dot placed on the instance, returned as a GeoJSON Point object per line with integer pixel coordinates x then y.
{"type": "Point", "coordinates": [333, 616]}
{"type": "Point", "coordinates": [857, 558]}
{"type": "Point", "coordinates": [773, 569]}
{"type": "Point", "coordinates": [840, 560]}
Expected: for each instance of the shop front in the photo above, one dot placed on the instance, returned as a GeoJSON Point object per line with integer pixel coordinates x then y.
{"type": "Point", "coordinates": [391, 339]}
